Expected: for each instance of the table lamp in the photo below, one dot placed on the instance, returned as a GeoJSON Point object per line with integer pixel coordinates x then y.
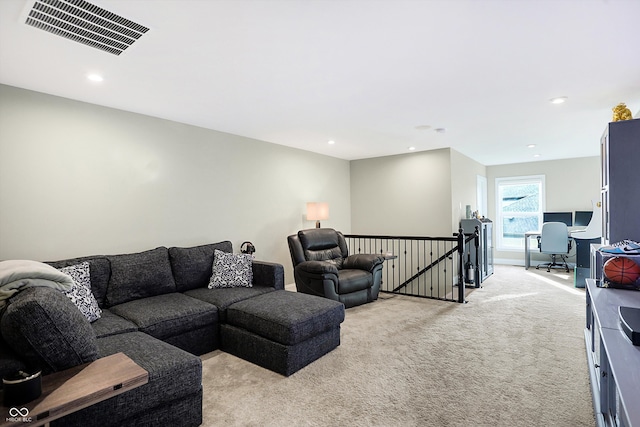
{"type": "Point", "coordinates": [317, 212]}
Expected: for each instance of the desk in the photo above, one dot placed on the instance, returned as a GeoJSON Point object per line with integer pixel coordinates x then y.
{"type": "Point", "coordinates": [527, 254]}
{"type": "Point", "coordinates": [76, 388]}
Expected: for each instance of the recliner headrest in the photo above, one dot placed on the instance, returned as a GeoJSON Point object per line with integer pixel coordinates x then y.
{"type": "Point", "coordinates": [317, 239]}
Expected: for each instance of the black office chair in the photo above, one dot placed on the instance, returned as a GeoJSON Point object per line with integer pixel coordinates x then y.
{"type": "Point", "coordinates": [554, 240]}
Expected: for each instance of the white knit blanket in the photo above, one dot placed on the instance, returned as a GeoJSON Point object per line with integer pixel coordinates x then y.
{"type": "Point", "coordinates": [17, 275]}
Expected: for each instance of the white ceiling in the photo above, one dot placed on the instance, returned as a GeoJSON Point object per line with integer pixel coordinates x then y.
{"type": "Point", "coordinates": [363, 73]}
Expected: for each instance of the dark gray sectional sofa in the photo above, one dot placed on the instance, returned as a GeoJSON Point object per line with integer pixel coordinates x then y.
{"type": "Point", "coordinates": [156, 308]}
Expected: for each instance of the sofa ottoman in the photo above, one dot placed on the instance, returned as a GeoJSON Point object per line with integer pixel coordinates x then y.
{"type": "Point", "coordinates": [281, 330]}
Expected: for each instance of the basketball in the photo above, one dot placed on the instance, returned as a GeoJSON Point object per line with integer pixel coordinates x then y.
{"type": "Point", "coordinates": [621, 270]}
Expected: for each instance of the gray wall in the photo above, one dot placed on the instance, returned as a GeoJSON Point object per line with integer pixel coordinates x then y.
{"type": "Point", "coordinates": [464, 176]}
{"type": "Point", "coordinates": [405, 195]}
{"type": "Point", "coordinates": [79, 179]}
{"type": "Point", "coordinates": [426, 193]}
{"type": "Point", "coordinates": [416, 194]}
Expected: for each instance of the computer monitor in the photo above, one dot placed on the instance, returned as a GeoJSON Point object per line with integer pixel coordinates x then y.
{"type": "Point", "coordinates": [582, 218]}
{"type": "Point", "coordinates": [566, 217]}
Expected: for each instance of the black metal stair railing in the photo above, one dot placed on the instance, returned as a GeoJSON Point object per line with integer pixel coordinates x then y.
{"type": "Point", "coordinates": [427, 267]}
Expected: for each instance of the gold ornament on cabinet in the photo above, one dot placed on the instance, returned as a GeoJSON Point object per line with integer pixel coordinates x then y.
{"type": "Point", "coordinates": [621, 112]}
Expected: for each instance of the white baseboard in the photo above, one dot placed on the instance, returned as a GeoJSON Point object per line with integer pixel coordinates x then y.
{"type": "Point", "coordinates": [517, 262]}
{"type": "Point", "coordinates": [508, 261]}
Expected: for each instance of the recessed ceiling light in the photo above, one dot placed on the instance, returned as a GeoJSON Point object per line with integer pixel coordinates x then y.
{"type": "Point", "coordinates": [531, 146]}
{"type": "Point", "coordinates": [558, 100]}
{"type": "Point", "coordinates": [440, 130]}
{"type": "Point", "coordinates": [412, 148]}
{"type": "Point", "coordinates": [331, 142]}
{"type": "Point", "coordinates": [536, 155]}
{"type": "Point", "coordinates": [95, 77]}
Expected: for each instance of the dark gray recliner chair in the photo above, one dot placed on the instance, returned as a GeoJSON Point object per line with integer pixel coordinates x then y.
{"type": "Point", "coordinates": [323, 267]}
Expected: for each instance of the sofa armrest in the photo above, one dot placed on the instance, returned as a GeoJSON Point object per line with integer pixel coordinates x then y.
{"type": "Point", "coordinates": [268, 274]}
{"type": "Point", "coordinates": [363, 261]}
{"type": "Point", "coordinates": [318, 267]}
{"type": "Point", "coordinates": [47, 330]}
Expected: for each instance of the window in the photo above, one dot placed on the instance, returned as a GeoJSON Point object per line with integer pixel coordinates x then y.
{"type": "Point", "coordinates": [519, 207]}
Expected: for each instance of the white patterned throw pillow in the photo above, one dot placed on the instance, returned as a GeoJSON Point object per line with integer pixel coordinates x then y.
{"type": "Point", "coordinates": [81, 294]}
{"type": "Point", "coordinates": [231, 270]}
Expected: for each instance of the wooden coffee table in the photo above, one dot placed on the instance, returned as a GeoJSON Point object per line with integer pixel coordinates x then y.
{"type": "Point", "coordinates": [76, 388]}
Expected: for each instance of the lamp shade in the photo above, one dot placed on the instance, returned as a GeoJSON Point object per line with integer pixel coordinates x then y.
{"type": "Point", "coordinates": [317, 211]}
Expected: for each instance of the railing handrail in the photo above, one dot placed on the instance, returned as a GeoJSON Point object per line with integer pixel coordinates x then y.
{"type": "Point", "coordinates": [373, 236]}
{"type": "Point", "coordinates": [459, 241]}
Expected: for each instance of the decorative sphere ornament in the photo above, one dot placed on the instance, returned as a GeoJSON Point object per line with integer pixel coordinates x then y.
{"type": "Point", "coordinates": [621, 112]}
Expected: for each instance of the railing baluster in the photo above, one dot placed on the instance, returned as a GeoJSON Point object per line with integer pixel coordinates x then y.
{"type": "Point", "coordinates": [428, 267]}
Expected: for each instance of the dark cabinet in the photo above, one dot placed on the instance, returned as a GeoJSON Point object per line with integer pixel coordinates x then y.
{"type": "Point", "coordinates": [612, 359]}
{"type": "Point", "coordinates": [485, 256]}
{"type": "Point", "coordinates": [620, 181]}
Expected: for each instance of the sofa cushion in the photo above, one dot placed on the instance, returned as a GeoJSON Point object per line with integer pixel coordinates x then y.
{"type": "Point", "coordinates": [47, 329]}
{"type": "Point", "coordinates": [169, 367]}
{"type": "Point", "coordinates": [100, 271]}
{"type": "Point", "coordinates": [174, 375]}
{"type": "Point", "coordinates": [164, 316]}
{"type": "Point", "coordinates": [139, 275]}
{"type": "Point", "coordinates": [112, 324]}
{"type": "Point", "coordinates": [80, 294]}
{"type": "Point", "coordinates": [224, 297]}
{"type": "Point", "coordinates": [231, 270]}
{"type": "Point", "coordinates": [192, 267]}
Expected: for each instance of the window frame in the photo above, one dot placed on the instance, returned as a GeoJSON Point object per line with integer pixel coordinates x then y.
{"type": "Point", "coordinates": [499, 221]}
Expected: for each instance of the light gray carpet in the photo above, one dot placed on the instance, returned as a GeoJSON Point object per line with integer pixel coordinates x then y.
{"type": "Point", "coordinates": [513, 356]}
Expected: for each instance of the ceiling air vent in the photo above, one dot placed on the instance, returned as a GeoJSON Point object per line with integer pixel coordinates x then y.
{"type": "Point", "coordinates": [85, 23]}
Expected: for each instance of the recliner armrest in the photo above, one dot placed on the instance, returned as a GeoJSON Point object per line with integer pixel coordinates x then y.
{"type": "Point", "coordinates": [318, 267]}
{"type": "Point", "coordinates": [363, 261]}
